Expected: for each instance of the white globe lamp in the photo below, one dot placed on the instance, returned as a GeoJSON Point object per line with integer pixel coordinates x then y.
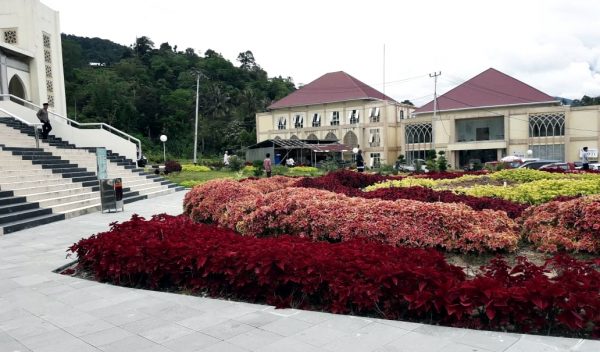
{"type": "Point", "coordinates": [529, 153]}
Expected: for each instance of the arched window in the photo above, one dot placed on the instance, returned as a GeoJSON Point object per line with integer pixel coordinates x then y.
{"type": "Point", "coordinates": [417, 136]}
{"type": "Point", "coordinates": [294, 137]}
{"type": "Point", "coordinates": [547, 125]}
{"type": "Point", "coordinates": [546, 135]}
{"type": "Point", "coordinates": [312, 137]}
{"type": "Point", "coordinates": [418, 133]}
{"type": "Point", "coordinates": [17, 88]}
{"type": "Point", "coordinates": [350, 139]}
{"type": "Point", "coordinates": [331, 137]}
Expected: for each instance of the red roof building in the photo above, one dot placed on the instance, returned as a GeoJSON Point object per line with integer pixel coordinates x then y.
{"type": "Point", "coordinates": [491, 88]}
{"type": "Point", "coordinates": [330, 88]}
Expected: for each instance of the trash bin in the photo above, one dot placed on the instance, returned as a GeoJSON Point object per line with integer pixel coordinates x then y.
{"type": "Point", "coordinates": [111, 194]}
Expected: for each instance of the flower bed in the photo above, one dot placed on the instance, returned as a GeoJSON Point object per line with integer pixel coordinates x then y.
{"type": "Point", "coordinates": [536, 192]}
{"type": "Point", "coordinates": [350, 277]}
{"type": "Point", "coordinates": [423, 194]}
{"type": "Point", "coordinates": [571, 225]}
{"type": "Point", "coordinates": [323, 215]}
{"type": "Point", "coordinates": [532, 186]}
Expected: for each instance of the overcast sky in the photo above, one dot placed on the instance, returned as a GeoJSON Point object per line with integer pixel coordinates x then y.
{"type": "Point", "coordinates": [553, 45]}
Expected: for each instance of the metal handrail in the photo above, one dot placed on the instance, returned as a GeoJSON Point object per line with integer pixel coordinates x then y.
{"type": "Point", "coordinates": [32, 124]}
{"type": "Point", "coordinates": [70, 122]}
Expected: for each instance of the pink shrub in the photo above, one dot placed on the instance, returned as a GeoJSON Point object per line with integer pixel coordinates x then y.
{"type": "Point", "coordinates": [572, 225]}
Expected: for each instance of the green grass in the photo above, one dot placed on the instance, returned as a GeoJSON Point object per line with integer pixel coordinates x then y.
{"type": "Point", "coordinates": [191, 178]}
{"type": "Point", "coordinates": [179, 177]}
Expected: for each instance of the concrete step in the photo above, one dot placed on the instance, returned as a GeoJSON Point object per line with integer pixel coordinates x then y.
{"type": "Point", "coordinates": [21, 183]}
{"type": "Point", "coordinates": [29, 222]}
{"type": "Point", "coordinates": [88, 204]}
{"type": "Point", "coordinates": [46, 189]}
{"type": "Point", "coordinates": [11, 200]}
{"type": "Point", "coordinates": [19, 166]}
{"type": "Point", "coordinates": [17, 172]}
{"type": "Point", "coordinates": [23, 214]}
{"type": "Point", "coordinates": [82, 210]}
{"type": "Point", "coordinates": [45, 196]}
{"type": "Point", "coordinates": [27, 177]}
{"type": "Point", "coordinates": [49, 202]}
{"type": "Point", "coordinates": [12, 208]}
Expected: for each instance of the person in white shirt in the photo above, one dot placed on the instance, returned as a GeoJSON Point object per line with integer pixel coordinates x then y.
{"type": "Point", "coordinates": [226, 159]}
{"type": "Point", "coordinates": [585, 159]}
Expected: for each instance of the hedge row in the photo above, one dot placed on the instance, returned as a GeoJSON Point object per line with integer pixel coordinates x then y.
{"type": "Point", "coordinates": [324, 215]}
{"type": "Point", "coordinates": [349, 277]}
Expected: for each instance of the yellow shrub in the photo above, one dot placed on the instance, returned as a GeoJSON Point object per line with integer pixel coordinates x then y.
{"type": "Point", "coordinates": [194, 168]}
{"type": "Point", "coordinates": [302, 170]}
{"type": "Point", "coordinates": [536, 192]}
{"type": "Point", "coordinates": [249, 169]}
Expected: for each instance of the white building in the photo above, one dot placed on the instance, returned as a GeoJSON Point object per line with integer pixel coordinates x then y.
{"type": "Point", "coordinates": [30, 53]}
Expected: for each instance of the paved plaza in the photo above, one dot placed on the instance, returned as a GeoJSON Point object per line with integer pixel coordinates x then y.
{"type": "Point", "coordinates": [44, 311]}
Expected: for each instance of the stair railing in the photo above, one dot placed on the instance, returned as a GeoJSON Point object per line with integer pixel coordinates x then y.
{"type": "Point", "coordinates": [35, 125]}
{"type": "Point", "coordinates": [70, 122]}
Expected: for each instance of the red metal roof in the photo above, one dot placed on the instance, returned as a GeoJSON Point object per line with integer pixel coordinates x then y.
{"type": "Point", "coordinates": [329, 88]}
{"type": "Point", "coordinates": [489, 88]}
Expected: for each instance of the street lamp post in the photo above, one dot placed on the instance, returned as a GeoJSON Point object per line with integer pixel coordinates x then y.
{"type": "Point", "coordinates": [196, 124]}
{"type": "Point", "coordinates": [163, 139]}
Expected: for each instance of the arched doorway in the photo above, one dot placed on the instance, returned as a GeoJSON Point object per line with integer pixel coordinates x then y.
{"type": "Point", "coordinates": [17, 88]}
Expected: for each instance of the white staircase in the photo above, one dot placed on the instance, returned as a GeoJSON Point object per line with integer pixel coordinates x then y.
{"type": "Point", "coordinates": [57, 180]}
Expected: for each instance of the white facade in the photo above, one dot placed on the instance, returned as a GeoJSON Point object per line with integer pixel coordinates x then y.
{"type": "Point", "coordinates": [30, 53]}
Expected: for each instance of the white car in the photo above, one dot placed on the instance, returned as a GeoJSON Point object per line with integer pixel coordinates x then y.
{"type": "Point", "coordinates": [595, 166]}
{"type": "Point", "coordinates": [412, 167]}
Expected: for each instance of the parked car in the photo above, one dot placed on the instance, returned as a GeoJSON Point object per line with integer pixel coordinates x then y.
{"type": "Point", "coordinates": [559, 166]}
{"type": "Point", "coordinates": [412, 166]}
{"type": "Point", "coordinates": [595, 166]}
{"type": "Point", "coordinates": [508, 163]}
{"type": "Point", "coordinates": [537, 164]}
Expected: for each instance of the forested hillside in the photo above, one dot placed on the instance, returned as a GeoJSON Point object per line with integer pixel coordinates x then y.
{"type": "Point", "coordinates": [148, 91]}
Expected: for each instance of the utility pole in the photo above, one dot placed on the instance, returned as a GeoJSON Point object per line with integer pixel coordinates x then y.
{"type": "Point", "coordinates": [433, 120]}
{"type": "Point", "coordinates": [198, 73]}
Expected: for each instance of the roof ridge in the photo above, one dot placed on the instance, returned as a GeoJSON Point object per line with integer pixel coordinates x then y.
{"type": "Point", "coordinates": [489, 87]}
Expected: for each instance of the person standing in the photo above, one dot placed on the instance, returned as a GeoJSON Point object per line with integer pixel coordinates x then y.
{"type": "Point", "coordinates": [360, 162]}
{"type": "Point", "coordinates": [42, 115]}
{"type": "Point", "coordinates": [585, 159]}
{"type": "Point", "coordinates": [226, 158]}
{"type": "Point", "coordinates": [267, 164]}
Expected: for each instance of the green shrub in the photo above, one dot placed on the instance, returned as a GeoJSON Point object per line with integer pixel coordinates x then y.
{"type": "Point", "coordinates": [235, 163]}
{"type": "Point", "coordinates": [190, 183]}
{"type": "Point", "coordinates": [442, 163]}
{"type": "Point", "coordinates": [278, 170]}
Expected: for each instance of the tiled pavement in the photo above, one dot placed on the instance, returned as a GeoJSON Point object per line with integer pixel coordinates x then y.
{"type": "Point", "coordinates": [43, 311]}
